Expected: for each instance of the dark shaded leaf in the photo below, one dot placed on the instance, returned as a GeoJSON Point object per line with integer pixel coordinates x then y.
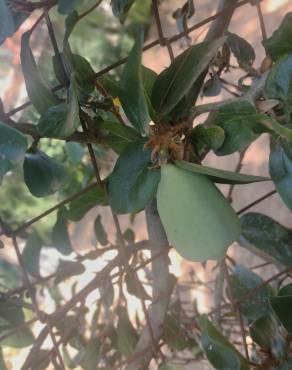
{"type": "Point", "coordinates": [40, 95]}
{"type": "Point", "coordinates": [60, 236]}
{"type": "Point", "coordinates": [10, 20]}
{"type": "Point", "coordinates": [219, 351]}
{"type": "Point", "coordinates": [212, 87]}
{"type": "Point", "coordinates": [67, 6]}
{"type": "Point", "coordinates": [31, 254]}
{"type": "Point", "coordinates": [67, 269]}
{"type": "Point", "coordinates": [42, 174]}
{"type": "Point", "coordinates": [132, 93]}
{"type": "Point", "coordinates": [174, 335]}
{"type": "Point", "coordinates": [132, 183]}
{"type": "Point", "coordinates": [177, 80]}
{"type": "Point", "coordinates": [121, 7]}
{"type": "Point", "coordinates": [100, 232]}
{"type": "Point", "coordinates": [81, 205]}
{"type": "Point", "coordinates": [268, 236]}
{"type": "Point", "coordinates": [279, 44]}
{"type": "Point", "coordinates": [13, 146]}
{"type": "Point", "coordinates": [126, 334]}
{"type": "Point", "coordinates": [129, 236]}
{"type": "Point", "coordinates": [240, 122]}
{"type": "Point", "coordinates": [242, 282]}
{"type": "Point", "coordinates": [242, 50]}
{"type": "Point", "coordinates": [221, 176]}
{"type": "Point", "coordinates": [61, 120]}
{"type": "Point", "coordinates": [280, 166]}
{"type": "Point", "coordinates": [90, 360]}
{"type": "Point", "coordinates": [285, 290]}
{"type": "Point", "coordinates": [134, 286]}
{"type": "Point", "coordinates": [282, 307]}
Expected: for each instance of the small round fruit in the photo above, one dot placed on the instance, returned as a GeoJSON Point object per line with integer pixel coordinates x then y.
{"type": "Point", "coordinates": [198, 220]}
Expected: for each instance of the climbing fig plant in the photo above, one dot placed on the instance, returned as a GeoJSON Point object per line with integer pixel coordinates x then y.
{"type": "Point", "coordinates": [128, 140]}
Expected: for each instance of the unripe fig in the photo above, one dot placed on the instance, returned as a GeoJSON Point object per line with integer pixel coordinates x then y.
{"type": "Point", "coordinates": [198, 220]}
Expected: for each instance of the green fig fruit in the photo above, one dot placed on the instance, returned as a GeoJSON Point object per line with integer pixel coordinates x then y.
{"type": "Point", "coordinates": [198, 220]}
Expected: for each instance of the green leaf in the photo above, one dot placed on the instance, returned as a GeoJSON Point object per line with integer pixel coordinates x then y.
{"type": "Point", "coordinates": [265, 332]}
{"type": "Point", "coordinates": [213, 137]}
{"type": "Point", "coordinates": [10, 20]}
{"type": "Point", "coordinates": [121, 8]}
{"type": "Point", "coordinates": [31, 254]}
{"type": "Point", "coordinates": [282, 307]}
{"type": "Point", "coordinates": [268, 236]}
{"type": "Point", "coordinates": [132, 93]}
{"type": "Point", "coordinates": [219, 351]}
{"type": "Point", "coordinates": [285, 290]}
{"type": "Point", "coordinates": [42, 174]}
{"type": "Point", "coordinates": [240, 122]}
{"type": "Point", "coordinates": [279, 44]}
{"type": "Point", "coordinates": [127, 336]}
{"type": "Point", "coordinates": [81, 205]}
{"type": "Point", "coordinates": [62, 120]}
{"type": "Point", "coordinates": [134, 286]}
{"type": "Point", "coordinates": [60, 235]}
{"type": "Point", "coordinates": [177, 80]}
{"type": "Point", "coordinates": [221, 176]}
{"type": "Point", "coordinates": [100, 232]}
{"type": "Point", "coordinates": [91, 359]}
{"type": "Point", "coordinates": [67, 6]}
{"type": "Point", "coordinates": [281, 172]}
{"type": "Point", "coordinates": [133, 183]}
{"type": "Point", "coordinates": [212, 87]}
{"type": "Point", "coordinates": [242, 282]}
{"type": "Point", "coordinates": [11, 311]}
{"type": "Point", "coordinates": [279, 82]}
{"type": "Point", "coordinates": [13, 146]}
{"type": "Point", "coordinates": [75, 152]}
{"type": "Point", "coordinates": [118, 136]}
{"type": "Point", "coordinates": [242, 50]}
{"type": "Point", "coordinates": [40, 95]}
{"type": "Point", "coordinates": [21, 338]}
{"type": "Point", "coordinates": [174, 335]}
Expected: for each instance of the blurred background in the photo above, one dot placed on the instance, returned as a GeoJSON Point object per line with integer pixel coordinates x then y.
{"type": "Point", "coordinates": [103, 40]}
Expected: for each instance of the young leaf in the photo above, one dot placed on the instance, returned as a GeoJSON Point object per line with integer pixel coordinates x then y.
{"type": "Point", "coordinates": [219, 351]}
{"type": "Point", "coordinates": [13, 146]}
{"type": "Point", "coordinates": [281, 172]}
{"type": "Point", "coordinates": [242, 282]}
{"type": "Point", "coordinates": [177, 80]}
{"type": "Point", "coordinates": [268, 236]}
{"type": "Point", "coordinates": [282, 308]}
{"type": "Point", "coordinates": [81, 205]}
{"type": "Point", "coordinates": [61, 120]}
{"type": "Point", "coordinates": [240, 122]}
{"type": "Point", "coordinates": [10, 20]}
{"type": "Point", "coordinates": [132, 93]}
{"type": "Point", "coordinates": [133, 183]}
{"type": "Point", "coordinates": [40, 95]}
{"type": "Point", "coordinates": [31, 254]}
{"type": "Point", "coordinates": [242, 50]}
{"type": "Point", "coordinates": [221, 176]}
{"type": "Point", "coordinates": [60, 236]}
{"type": "Point", "coordinates": [279, 43]}
{"type": "Point", "coordinates": [100, 232]}
{"type": "Point", "coordinates": [121, 7]}
{"type": "Point", "coordinates": [67, 6]}
{"type": "Point", "coordinates": [42, 174]}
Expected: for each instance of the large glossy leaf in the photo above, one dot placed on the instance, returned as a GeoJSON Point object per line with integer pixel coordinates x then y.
{"type": "Point", "coordinates": [39, 93]}
{"type": "Point", "coordinates": [242, 50]}
{"type": "Point", "coordinates": [10, 20]}
{"type": "Point", "coordinates": [118, 136]}
{"type": "Point", "coordinates": [240, 122]}
{"type": "Point", "coordinates": [221, 176]}
{"type": "Point", "coordinates": [60, 236]}
{"type": "Point", "coordinates": [219, 351]}
{"type": "Point", "coordinates": [61, 120]}
{"type": "Point", "coordinates": [42, 174]}
{"type": "Point", "coordinates": [31, 254]}
{"type": "Point", "coordinates": [279, 43]}
{"type": "Point", "coordinates": [121, 7]}
{"type": "Point", "coordinates": [242, 282]}
{"type": "Point", "coordinates": [268, 236]}
{"type": "Point", "coordinates": [132, 93]}
{"type": "Point", "coordinates": [177, 80]}
{"type": "Point", "coordinates": [13, 146]}
{"type": "Point", "coordinates": [282, 307]}
{"type": "Point", "coordinates": [81, 205]}
{"type": "Point", "coordinates": [67, 6]}
{"type": "Point", "coordinates": [281, 172]}
{"type": "Point", "coordinates": [133, 183]}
